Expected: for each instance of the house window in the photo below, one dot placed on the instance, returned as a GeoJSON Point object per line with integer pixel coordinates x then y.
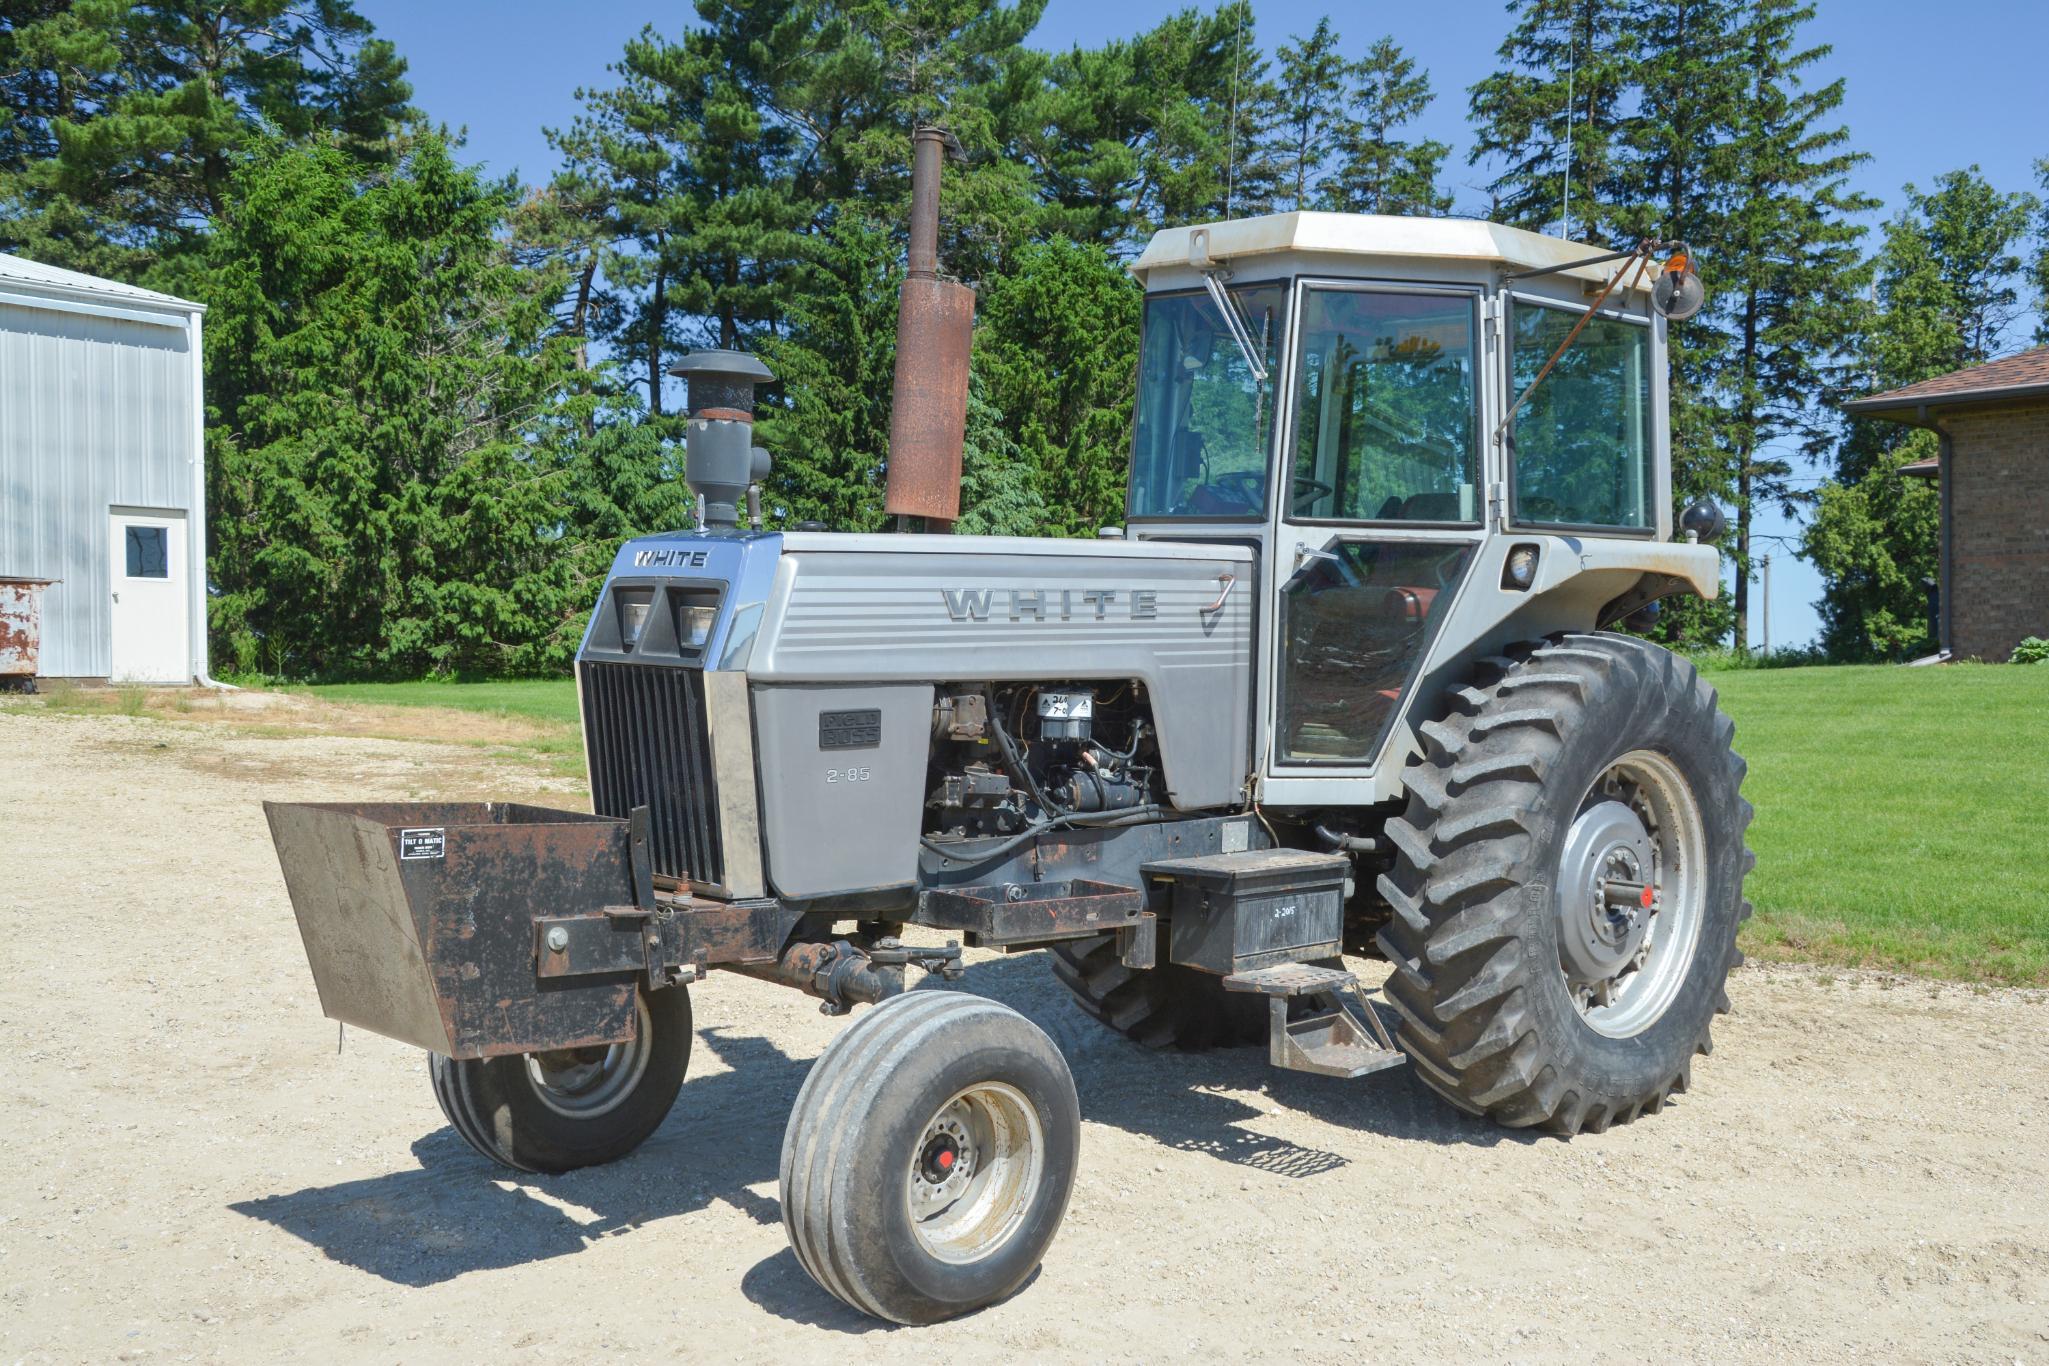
{"type": "Point", "coordinates": [147, 556]}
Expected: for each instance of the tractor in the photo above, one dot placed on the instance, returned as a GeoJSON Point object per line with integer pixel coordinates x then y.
{"type": "Point", "coordinates": [1342, 683]}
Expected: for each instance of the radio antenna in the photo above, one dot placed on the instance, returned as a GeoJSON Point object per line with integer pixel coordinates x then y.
{"type": "Point", "coordinates": [1231, 129]}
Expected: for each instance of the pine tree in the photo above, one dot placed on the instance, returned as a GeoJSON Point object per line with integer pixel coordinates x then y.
{"type": "Point", "coordinates": [1057, 344]}
{"type": "Point", "coordinates": [385, 440]}
{"type": "Point", "coordinates": [1382, 173]}
{"type": "Point", "coordinates": [1247, 109]}
{"type": "Point", "coordinates": [125, 121]}
{"type": "Point", "coordinates": [1555, 113]}
{"type": "Point", "coordinates": [1311, 119]}
{"type": "Point", "coordinates": [1787, 270]}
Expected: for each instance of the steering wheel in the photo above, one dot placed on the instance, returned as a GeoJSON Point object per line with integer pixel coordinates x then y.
{"type": "Point", "coordinates": [1307, 489]}
{"type": "Point", "coordinates": [1245, 488]}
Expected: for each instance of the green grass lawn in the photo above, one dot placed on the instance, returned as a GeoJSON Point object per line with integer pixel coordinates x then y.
{"type": "Point", "coordinates": [1901, 813]}
{"type": "Point", "coordinates": [535, 699]}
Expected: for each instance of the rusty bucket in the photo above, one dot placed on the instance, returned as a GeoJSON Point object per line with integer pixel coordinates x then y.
{"type": "Point", "coordinates": [420, 920]}
{"type": "Point", "coordinates": [21, 631]}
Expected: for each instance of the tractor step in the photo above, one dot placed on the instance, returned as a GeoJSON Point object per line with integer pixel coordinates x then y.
{"type": "Point", "coordinates": [1291, 979]}
{"type": "Point", "coordinates": [1340, 1037]}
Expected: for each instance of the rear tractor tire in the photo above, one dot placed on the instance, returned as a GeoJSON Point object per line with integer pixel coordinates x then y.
{"type": "Point", "coordinates": [555, 1112]}
{"type": "Point", "coordinates": [1162, 1007]}
{"type": "Point", "coordinates": [929, 1157]}
{"type": "Point", "coordinates": [1567, 885]}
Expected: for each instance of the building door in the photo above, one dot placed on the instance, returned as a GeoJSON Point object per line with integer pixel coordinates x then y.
{"type": "Point", "coordinates": [151, 601]}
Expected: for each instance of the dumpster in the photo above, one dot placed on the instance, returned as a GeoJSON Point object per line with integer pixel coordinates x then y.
{"type": "Point", "coordinates": [421, 921]}
{"type": "Point", "coordinates": [21, 631]}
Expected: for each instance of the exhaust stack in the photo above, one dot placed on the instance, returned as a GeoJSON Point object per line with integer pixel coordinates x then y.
{"type": "Point", "coordinates": [934, 334]}
{"type": "Point", "coordinates": [721, 462]}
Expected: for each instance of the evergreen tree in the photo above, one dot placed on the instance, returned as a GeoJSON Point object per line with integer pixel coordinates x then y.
{"type": "Point", "coordinates": [382, 441]}
{"type": "Point", "coordinates": [1678, 169]}
{"type": "Point", "coordinates": [834, 358]}
{"type": "Point", "coordinates": [125, 120]}
{"type": "Point", "coordinates": [1788, 271]}
{"type": "Point", "coordinates": [1554, 115]}
{"type": "Point", "coordinates": [1138, 134]}
{"type": "Point", "coordinates": [997, 493]}
{"type": "Point", "coordinates": [1057, 344]}
{"type": "Point", "coordinates": [1311, 119]}
{"type": "Point", "coordinates": [1251, 176]}
{"type": "Point", "coordinates": [1381, 173]}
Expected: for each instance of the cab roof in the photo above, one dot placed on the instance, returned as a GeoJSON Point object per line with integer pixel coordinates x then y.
{"type": "Point", "coordinates": [1363, 234]}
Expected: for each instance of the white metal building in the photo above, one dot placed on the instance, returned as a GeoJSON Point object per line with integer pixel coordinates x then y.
{"type": "Point", "coordinates": [102, 471]}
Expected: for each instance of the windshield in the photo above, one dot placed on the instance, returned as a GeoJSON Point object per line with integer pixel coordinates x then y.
{"type": "Point", "coordinates": [1204, 422]}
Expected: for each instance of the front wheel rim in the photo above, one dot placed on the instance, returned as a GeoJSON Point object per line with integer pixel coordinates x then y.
{"type": "Point", "coordinates": [584, 1083]}
{"type": "Point", "coordinates": [975, 1172]}
{"type": "Point", "coordinates": [1632, 894]}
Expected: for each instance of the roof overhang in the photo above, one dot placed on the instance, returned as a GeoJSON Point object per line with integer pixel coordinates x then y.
{"type": "Point", "coordinates": [1917, 410]}
{"type": "Point", "coordinates": [31, 284]}
{"type": "Point", "coordinates": [1386, 237]}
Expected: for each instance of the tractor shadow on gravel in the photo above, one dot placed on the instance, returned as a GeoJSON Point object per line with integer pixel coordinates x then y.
{"type": "Point", "coordinates": [456, 1212]}
{"type": "Point", "coordinates": [1190, 1101]}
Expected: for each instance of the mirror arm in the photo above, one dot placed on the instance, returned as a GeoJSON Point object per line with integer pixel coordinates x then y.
{"type": "Point", "coordinates": [1640, 255]}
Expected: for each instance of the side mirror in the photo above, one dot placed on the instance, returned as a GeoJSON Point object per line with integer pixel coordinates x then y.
{"type": "Point", "coordinates": [1677, 293]}
{"type": "Point", "coordinates": [1703, 521]}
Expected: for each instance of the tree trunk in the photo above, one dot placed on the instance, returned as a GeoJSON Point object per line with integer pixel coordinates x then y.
{"type": "Point", "coordinates": [580, 315]}
{"type": "Point", "coordinates": [729, 326]}
{"type": "Point", "coordinates": [657, 325]}
{"type": "Point", "coordinates": [1746, 445]}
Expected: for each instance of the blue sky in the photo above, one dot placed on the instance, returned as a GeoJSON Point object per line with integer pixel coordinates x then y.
{"type": "Point", "coordinates": [1931, 87]}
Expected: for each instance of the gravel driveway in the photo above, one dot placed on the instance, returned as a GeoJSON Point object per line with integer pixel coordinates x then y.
{"type": "Point", "coordinates": [195, 1173]}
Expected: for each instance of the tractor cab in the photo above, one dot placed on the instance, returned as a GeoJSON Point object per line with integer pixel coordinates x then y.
{"type": "Point", "coordinates": [1340, 392]}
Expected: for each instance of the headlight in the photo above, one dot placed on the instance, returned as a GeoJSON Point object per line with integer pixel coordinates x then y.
{"type": "Point", "coordinates": [1520, 570]}
{"type": "Point", "coordinates": [633, 605]}
{"type": "Point", "coordinates": [693, 625]}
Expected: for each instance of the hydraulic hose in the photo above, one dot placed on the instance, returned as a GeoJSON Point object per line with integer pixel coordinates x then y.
{"type": "Point", "coordinates": [1090, 820]}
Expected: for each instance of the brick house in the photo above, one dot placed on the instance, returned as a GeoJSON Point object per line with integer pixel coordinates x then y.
{"type": "Point", "coordinates": [1993, 425]}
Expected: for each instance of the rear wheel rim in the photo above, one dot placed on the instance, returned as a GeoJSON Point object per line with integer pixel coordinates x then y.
{"type": "Point", "coordinates": [584, 1083]}
{"type": "Point", "coordinates": [1638, 836]}
{"type": "Point", "coordinates": [975, 1172]}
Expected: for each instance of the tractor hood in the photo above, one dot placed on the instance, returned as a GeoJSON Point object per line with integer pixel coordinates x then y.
{"type": "Point", "coordinates": [811, 608]}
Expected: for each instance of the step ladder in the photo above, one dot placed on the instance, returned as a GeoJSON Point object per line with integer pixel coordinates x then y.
{"type": "Point", "coordinates": [1338, 1036]}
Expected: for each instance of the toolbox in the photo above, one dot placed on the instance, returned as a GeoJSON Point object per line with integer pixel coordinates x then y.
{"type": "Point", "coordinates": [1231, 913]}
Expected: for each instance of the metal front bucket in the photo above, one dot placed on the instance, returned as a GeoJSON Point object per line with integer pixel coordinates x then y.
{"type": "Point", "coordinates": [418, 919]}
{"type": "Point", "coordinates": [21, 626]}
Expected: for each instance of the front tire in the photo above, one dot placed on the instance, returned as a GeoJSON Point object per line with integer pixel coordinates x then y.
{"type": "Point", "coordinates": [1567, 885]}
{"type": "Point", "coordinates": [929, 1157]}
{"type": "Point", "coordinates": [555, 1112]}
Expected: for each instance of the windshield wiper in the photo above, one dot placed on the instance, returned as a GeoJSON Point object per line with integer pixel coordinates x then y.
{"type": "Point", "coordinates": [1236, 324]}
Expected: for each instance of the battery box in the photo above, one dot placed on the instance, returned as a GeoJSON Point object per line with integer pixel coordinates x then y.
{"type": "Point", "coordinates": [1234, 912]}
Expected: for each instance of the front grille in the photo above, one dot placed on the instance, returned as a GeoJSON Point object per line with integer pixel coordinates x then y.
{"type": "Point", "coordinates": [645, 731]}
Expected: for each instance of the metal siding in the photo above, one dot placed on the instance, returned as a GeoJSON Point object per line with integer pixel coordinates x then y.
{"type": "Point", "coordinates": [94, 412]}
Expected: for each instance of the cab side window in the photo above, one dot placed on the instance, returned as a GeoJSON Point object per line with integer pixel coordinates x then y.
{"type": "Point", "coordinates": [1583, 441]}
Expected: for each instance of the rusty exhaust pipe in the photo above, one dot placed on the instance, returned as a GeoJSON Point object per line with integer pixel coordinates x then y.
{"type": "Point", "coordinates": [934, 336]}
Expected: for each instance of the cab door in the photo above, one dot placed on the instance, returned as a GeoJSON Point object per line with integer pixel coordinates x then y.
{"type": "Point", "coordinates": [1382, 498]}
